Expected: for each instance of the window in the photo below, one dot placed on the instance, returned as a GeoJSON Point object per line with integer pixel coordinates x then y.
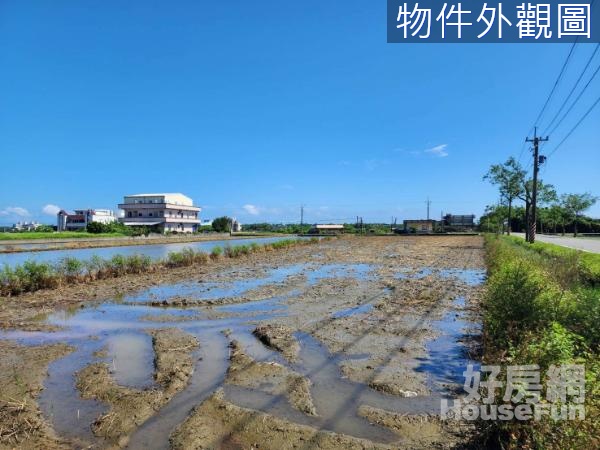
{"type": "Point", "coordinates": [150, 214]}
{"type": "Point", "coordinates": [139, 214]}
{"type": "Point", "coordinates": [129, 214]}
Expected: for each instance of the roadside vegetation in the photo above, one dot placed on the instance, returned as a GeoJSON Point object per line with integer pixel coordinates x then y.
{"type": "Point", "coordinates": [542, 306]}
{"type": "Point", "coordinates": [564, 213]}
{"type": "Point", "coordinates": [32, 276]}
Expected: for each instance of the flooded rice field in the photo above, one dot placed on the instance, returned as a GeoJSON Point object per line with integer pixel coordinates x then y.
{"type": "Point", "coordinates": [348, 343]}
{"type": "Point", "coordinates": [38, 253]}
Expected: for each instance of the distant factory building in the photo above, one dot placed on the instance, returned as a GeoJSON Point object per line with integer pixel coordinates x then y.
{"type": "Point", "coordinates": [79, 218]}
{"type": "Point", "coordinates": [419, 226]}
{"type": "Point", "coordinates": [330, 228]}
{"type": "Point", "coordinates": [162, 212]}
{"type": "Point", "coordinates": [459, 222]}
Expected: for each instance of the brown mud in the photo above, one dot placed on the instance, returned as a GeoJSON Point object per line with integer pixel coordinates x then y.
{"type": "Point", "coordinates": [22, 371]}
{"type": "Point", "coordinates": [341, 345]}
{"type": "Point", "coordinates": [131, 407]}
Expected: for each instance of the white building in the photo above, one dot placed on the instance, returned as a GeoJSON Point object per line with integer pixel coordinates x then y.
{"type": "Point", "coordinates": [25, 226]}
{"type": "Point", "coordinates": [164, 212]}
{"type": "Point", "coordinates": [79, 218]}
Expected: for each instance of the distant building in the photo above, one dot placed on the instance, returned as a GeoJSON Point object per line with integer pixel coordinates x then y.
{"type": "Point", "coordinates": [25, 226]}
{"type": "Point", "coordinates": [419, 226]}
{"type": "Point", "coordinates": [163, 212]}
{"type": "Point", "coordinates": [330, 228]}
{"type": "Point", "coordinates": [459, 222]}
{"type": "Point", "coordinates": [79, 218]}
{"type": "Point", "coordinates": [206, 223]}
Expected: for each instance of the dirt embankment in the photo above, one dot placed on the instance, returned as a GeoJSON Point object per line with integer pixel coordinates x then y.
{"type": "Point", "coordinates": [22, 372]}
{"type": "Point", "coordinates": [217, 423]}
{"type": "Point", "coordinates": [131, 407]}
{"type": "Point", "coordinates": [270, 377]}
{"type": "Point", "coordinates": [280, 338]}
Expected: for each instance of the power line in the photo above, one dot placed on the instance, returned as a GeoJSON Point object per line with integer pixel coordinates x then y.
{"type": "Point", "coordinates": [576, 100]}
{"type": "Point", "coordinates": [564, 103]}
{"type": "Point", "coordinates": [560, 74]}
{"type": "Point", "coordinates": [575, 127]}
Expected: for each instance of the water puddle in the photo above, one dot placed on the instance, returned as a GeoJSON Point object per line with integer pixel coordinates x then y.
{"type": "Point", "coordinates": [361, 309]}
{"type": "Point", "coordinates": [471, 277]}
{"type": "Point", "coordinates": [131, 359]}
{"type": "Point", "coordinates": [448, 355]}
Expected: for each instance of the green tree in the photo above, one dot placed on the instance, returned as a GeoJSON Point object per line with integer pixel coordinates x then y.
{"type": "Point", "coordinates": [510, 179]}
{"type": "Point", "coordinates": [45, 228]}
{"type": "Point", "coordinates": [222, 224]}
{"type": "Point", "coordinates": [575, 204]}
{"type": "Point", "coordinates": [546, 193]}
{"type": "Point", "coordinates": [96, 227]}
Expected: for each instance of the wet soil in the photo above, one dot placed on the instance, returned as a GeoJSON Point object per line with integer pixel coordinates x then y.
{"type": "Point", "coordinates": [349, 343]}
{"type": "Point", "coordinates": [130, 407]}
{"type": "Point", "coordinates": [22, 372]}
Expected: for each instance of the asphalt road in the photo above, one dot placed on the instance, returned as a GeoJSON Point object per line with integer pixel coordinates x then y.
{"type": "Point", "coordinates": [586, 244]}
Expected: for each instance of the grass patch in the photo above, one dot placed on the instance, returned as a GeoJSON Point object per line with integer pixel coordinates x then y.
{"type": "Point", "coordinates": [542, 307]}
{"type": "Point", "coordinates": [33, 235]}
{"type": "Point", "coordinates": [588, 264]}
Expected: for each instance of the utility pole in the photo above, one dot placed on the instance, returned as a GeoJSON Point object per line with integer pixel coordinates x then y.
{"type": "Point", "coordinates": [536, 167]}
{"type": "Point", "coordinates": [301, 215]}
{"type": "Point", "coordinates": [428, 204]}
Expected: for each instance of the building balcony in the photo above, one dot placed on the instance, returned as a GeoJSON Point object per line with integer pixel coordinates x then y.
{"type": "Point", "coordinates": [141, 206]}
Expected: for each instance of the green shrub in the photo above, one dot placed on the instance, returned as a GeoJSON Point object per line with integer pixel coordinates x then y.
{"type": "Point", "coordinates": [137, 263]}
{"type": "Point", "coordinates": [552, 345]}
{"type": "Point", "coordinates": [70, 268]}
{"type": "Point", "coordinates": [118, 265]}
{"type": "Point", "coordinates": [216, 252]}
{"type": "Point", "coordinates": [512, 301]}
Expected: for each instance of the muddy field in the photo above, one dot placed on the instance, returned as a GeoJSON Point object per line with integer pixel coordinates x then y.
{"type": "Point", "coordinates": [349, 343]}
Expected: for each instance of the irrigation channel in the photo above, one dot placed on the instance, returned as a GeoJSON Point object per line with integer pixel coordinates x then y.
{"type": "Point", "coordinates": [341, 343]}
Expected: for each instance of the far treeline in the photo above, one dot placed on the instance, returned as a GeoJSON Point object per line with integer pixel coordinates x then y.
{"type": "Point", "coordinates": [555, 213]}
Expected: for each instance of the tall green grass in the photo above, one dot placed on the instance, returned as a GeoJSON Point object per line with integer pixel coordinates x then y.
{"type": "Point", "coordinates": [32, 276]}
{"type": "Point", "coordinates": [32, 235]}
{"type": "Point", "coordinates": [540, 308]}
{"type": "Point", "coordinates": [586, 263]}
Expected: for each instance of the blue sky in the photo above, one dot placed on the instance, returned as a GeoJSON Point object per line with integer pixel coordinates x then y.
{"type": "Point", "coordinates": [253, 108]}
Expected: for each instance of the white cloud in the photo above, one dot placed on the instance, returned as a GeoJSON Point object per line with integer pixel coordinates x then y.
{"type": "Point", "coordinates": [50, 209]}
{"type": "Point", "coordinates": [252, 209]}
{"type": "Point", "coordinates": [14, 211]}
{"type": "Point", "coordinates": [438, 150]}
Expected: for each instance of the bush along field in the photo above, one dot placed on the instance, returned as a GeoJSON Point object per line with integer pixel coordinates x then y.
{"type": "Point", "coordinates": [32, 276]}
{"type": "Point", "coordinates": [542, 307]}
